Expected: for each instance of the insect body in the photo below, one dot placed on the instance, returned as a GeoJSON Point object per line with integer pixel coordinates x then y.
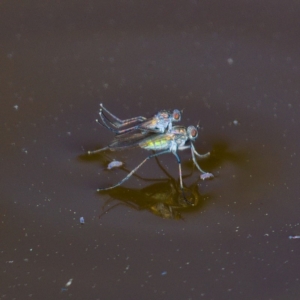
{"type": "Point", "coordinates": [159, 123]}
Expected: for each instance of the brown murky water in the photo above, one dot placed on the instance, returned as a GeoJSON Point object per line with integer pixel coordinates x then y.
{"type": "Point", "coordinates": [232, 66]}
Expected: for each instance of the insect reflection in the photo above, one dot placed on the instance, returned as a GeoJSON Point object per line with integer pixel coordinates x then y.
{"type": "Point", "coordinates": [163, 199]}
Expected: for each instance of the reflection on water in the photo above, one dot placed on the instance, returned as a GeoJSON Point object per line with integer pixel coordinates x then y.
{"type": "Point", "coordinates": [164, 199]}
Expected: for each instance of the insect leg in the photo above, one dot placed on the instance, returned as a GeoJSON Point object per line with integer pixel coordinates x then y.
{"type": "Point", "coordinates": [123, 122]}
{"type": "Point", "coordinates": [201, 155]}
{"type": "Point", "coordinates": [134, 170]}
{"type": "Point", "coordinates": [98, 150]}
{"type": "Point", "coordinates": [105, 122]}
{"type": "Point", "coordinates": [179, 166]}
{"type": "Point", "coordinates": [180, 177]}
{"type": "Point", "coordinates": [193, 150]}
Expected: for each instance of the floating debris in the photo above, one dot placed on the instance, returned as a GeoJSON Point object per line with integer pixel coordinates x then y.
{"type": "Point", "coordinates": [81, 220]}
{"type": "Point", "coordinates": [206, 176]}
{"type": "Point", "coordinates": [69, 282]}
{"type": "Point", "coordinates": [292, 237]}
{"type": "Point", "coordinates": [114, 164]}
{"type": "Point", "coordinates": [164, 273]}
{"type": "Point", "coordinates": [24, 150]}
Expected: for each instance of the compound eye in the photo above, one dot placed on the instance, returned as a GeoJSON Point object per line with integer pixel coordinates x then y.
{"type": "Point", "coordinates": [176, 115]}
{"type": "Point", "coordinates": [193, 132]}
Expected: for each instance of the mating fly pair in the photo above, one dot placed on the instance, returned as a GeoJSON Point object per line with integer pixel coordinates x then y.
{"type": "Point", "coordinates": [156, 133]}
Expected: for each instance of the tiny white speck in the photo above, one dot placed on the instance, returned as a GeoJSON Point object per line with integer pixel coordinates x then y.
{"type": "Point", "coordinates": [235, 122]}
{"type": "Point", "coordinates": [69, 282]}
{"type": "Point", "coordinates": [230, 61]}
{"type": "Point", "coordinates": [16, 107]}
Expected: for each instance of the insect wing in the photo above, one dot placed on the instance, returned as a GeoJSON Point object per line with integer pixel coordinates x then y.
{"type": "Point", "coordinates": [156, 124]}
{"type": "Point", "coordinates": [149, 125]}
{"type": "Point", "coordinates": [129, 140]}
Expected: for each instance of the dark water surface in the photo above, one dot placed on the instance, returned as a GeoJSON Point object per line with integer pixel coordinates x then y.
{"type": "Point", "coordinates": [232, 66]}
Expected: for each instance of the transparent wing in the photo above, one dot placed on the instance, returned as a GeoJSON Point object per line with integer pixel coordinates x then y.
{"type": "Point", "coordinates": [129, 140]}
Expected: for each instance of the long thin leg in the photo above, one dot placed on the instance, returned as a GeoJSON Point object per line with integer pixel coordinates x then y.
{"type": "Point", "coordinates": [97, 151]}
{"type": "Point", "coordinates": [133, 171]}
{"type": "Point", "coordinates": [117, 204]}
{"type": "Point", "coordinates": [180, 177]}
{"type": "Point", "coordinates": [105, 124]}
{"type": "Point", "coordinates": [162, 168]}
{"type": "Point", "coordinates": [108, 123]}
{"type": "Point", "coordinates": [123, 122]}
{"type": "Point", "coordinates": [194, 159]}
{"type": "Point", "coordinates": [102, 115]}
{"type": "Point", "coordinates": [105, 121]}
{"type": "Point", "coordinates": [201, 155]}
{"type": "Point", "coordinates": [180, 172]}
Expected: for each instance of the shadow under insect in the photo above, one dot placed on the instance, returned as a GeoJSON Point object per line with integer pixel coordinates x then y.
{"type": "Point", "coordinates": [164, 198]}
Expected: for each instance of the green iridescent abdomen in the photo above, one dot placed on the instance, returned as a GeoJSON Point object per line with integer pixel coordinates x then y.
{"type": "Point", "coordinates": [158, 143]}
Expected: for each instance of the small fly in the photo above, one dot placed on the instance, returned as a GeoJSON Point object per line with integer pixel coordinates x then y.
{"type": "Point", "coordinates": [159, 123]}
{"type": "Point", "coordinates": [175, 139]}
